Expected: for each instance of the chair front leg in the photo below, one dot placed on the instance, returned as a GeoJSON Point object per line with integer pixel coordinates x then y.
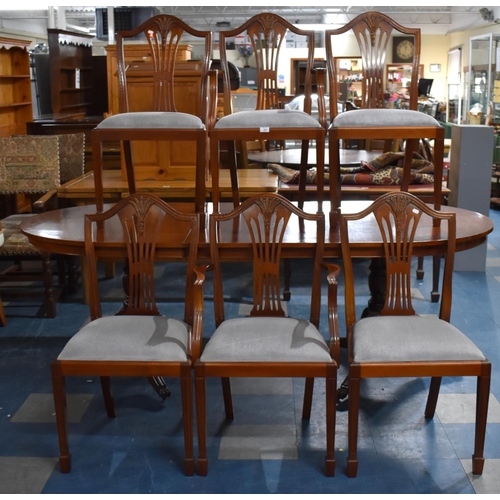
{"type": "Point", "coordinates": [58, 389]}
{"type": "Point", "coordinates": [483, 395]}
{"type": "Point", "coordinates": [331, 410]}
{"type": "Point", "coordinates": [201, 420]}
{"type": "Point", "coordinates": [187, 419]}
{"type": "Point", "coordinates": [353, 421]}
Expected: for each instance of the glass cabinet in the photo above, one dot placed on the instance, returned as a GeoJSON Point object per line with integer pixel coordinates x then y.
{"type": "Point", "coordinates": [483, 86]}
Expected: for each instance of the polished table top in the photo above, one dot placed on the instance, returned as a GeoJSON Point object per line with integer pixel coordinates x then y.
{"type": "Point", "coordinates": [115, 186]}
{"type": "Point", "coordinates": [61, 231]}
{"type": "Point", "coordinates": [348, 157]}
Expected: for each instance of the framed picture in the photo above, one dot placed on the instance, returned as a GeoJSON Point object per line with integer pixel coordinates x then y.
{"type": "Point", "coordinates": [435, 68]}
{"type": "Point", "coordinates": [403, 49]}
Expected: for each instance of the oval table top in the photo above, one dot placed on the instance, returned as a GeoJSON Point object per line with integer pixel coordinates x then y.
{"type": "Point", "coordinates": [291, 157]}
{"type": "Point", "coordinates": [62, 231]}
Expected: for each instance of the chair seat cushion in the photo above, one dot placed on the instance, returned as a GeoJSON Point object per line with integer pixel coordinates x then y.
{"type": "Point", "coordinates": [383, 118]}
{"type": "Point", "coordinates": [129, 338]}
{"type": "Point", "coordinates": [15, 242]}
{"type": "Point", "coordinates": [153, 119]}
{"type": "Point", "coordinates": [272, 118]}
{"type": "Point", "coordinates": [410, 338]}
{"type": "Point", "coordinates": [266, 339]}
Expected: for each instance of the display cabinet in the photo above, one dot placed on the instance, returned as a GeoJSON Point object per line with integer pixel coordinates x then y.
{"type": "Point", "coordinates": [350, 77]}
{"type": "Point", "coordinates": [483, 87]}
{"type": "Point", "coordinates": [71, 72]}
{"type": "Point", "coordinates": [15, 87]}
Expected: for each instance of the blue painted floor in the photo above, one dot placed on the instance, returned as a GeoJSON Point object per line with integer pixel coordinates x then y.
{"type": "Point", "coordinates": [267, 448]}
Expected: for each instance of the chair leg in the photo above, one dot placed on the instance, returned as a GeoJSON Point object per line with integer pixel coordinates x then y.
{"type": "Point", "coordinates": [420, 268]}
{"type": "Point", "coordinates": [308, 396]}
{"type": "Point", "coordinates": [187, 419]}
{"type": "Point", "coordinates": [436, 268]}
{"type": "Point", "coordinates": [432, 398]}
{"type": "Point", "coordinates": [107, 396]}
{"type": "Point", "coordinates": [129, 165]}
{"type": "Point", "coordinates": [201, 423]}
{"type": "Point", "coordinates": [353, 421]}
{"type": "Point", "coordinates": [58, 388]}
{"type": "Point", "coordinates": [287, 274]}
{"type": "Point", "coordinates": [331, 410]}
{"type": "Point", "coordinates": [303, 173]}
{"type": "Point", "coordinates": [233, 172]}
{"type": "Point", "coordinates": [483, 394]}
{"type": "Point", "coordinates": [228, 399]}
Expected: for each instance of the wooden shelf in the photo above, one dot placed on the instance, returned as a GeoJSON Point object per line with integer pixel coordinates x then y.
{"type": "Point", "coordinates": [13, 77]}
{"type": "Point", "coordinates": [77, 90]}
{"type": "Point", "coordinates": [69, 52]}
{"type": "Point", "coordinates": [78, 105]}
{"type": "Point", "coordinates": [15, 96]}
{"type": "Point", "coordinates": [15, 104]}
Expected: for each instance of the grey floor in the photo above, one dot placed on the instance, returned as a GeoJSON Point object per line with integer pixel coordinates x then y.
{"type": "Point", "coordinates": [267, 448]}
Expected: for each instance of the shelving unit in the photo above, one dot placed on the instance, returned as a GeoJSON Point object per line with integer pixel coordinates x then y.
{"type": "Point", "coordinates": [15, 87]}
{"type": "Point", "coordinates": [396, 76]}
{"type": "Point", "coordinates": [350, 76]}
{"type": "Point", "coordinates": [71, 76]}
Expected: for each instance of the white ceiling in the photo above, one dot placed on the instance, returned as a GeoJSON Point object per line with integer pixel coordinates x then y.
{"type": "Point", "coordinates": [431, 19]}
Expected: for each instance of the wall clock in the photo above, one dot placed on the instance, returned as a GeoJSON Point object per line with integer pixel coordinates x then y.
{"type": "Point", "coordinates": [403, 49]}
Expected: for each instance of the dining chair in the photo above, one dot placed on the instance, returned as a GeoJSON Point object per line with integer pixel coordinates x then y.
{"type": "Point", "coordinates": [138, 341]}
{"type": "Point", "coordinates": [266, 34]}
{"type": "Point", "coordinates": [373, 32]}
{"type": "Point", "coordinates": [268, 342]}
{"type": "Point", "coordinates": [31, 170]}
{"type": "Point", "coordinates": [399, 342]}
{"type": "Point", "coordinates": [161, 121]}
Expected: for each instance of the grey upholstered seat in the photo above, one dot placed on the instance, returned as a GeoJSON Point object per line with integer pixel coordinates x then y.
{"type": "Point", "coordinates": [384, 118]}
{"type": "Point", "coordinates": [152, 119]}
{"type": "Point", "coordinates": [412, 338]}
{"type": "Point", "coordinates": [266, 339]}
{"type": "Point", "coordinates": [270, 118]}
{"type": "Point", "coordinates": [127, 338]}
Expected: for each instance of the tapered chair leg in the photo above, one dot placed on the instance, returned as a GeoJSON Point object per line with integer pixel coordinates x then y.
{"type": "Point", "coordinates": [353, 421]}
{"type": "Point", "coordinates": [201, 424]}
{"type": "Point", "coordinates": [331, 410]}
{"type": "Point", "coordinates": [187, 419]}
{"type": "Point", "coordinates": [58, 388]}
{"type": "Point", "coordinates": [483, 394]}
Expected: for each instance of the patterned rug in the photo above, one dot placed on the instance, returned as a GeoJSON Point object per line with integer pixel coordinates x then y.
{"type": "Point", "coordinates": [386, 169]}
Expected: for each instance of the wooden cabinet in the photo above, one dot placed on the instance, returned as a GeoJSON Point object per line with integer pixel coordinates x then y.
{"type": "Point", "coordinates": [15, 87]}
{"type": "Point", "coordinates": [157, 160]}
{"type": "Point", "coordinates": [71, 72]}
{"type": "Point", "coordinates": [298, 76]}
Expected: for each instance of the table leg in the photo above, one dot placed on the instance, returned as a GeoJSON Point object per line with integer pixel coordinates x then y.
{"type": "Point", "coordinates": [3, 321]}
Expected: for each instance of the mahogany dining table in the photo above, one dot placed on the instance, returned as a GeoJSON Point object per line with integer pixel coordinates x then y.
{"type": "Point", "coordinates": [61, 231]}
